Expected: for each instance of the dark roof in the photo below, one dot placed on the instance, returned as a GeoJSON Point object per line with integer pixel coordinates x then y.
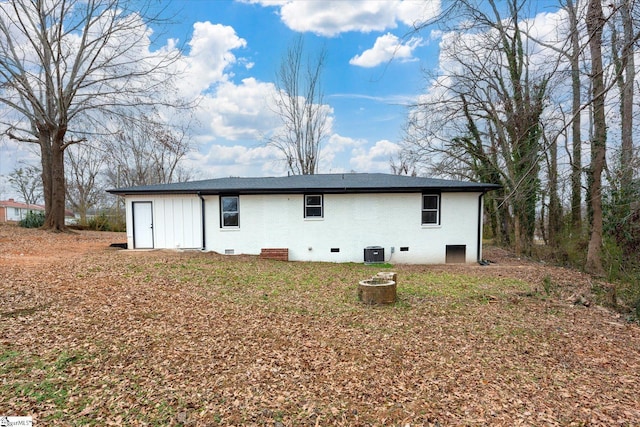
{"type": "Point", "coordinates": [325, 183]}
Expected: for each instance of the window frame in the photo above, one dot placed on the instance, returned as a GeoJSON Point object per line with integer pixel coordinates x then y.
{"type": "Point", "coordinates": [308, 206]}
{"type": "Point", "coordinates": [437, 209]}
{"type": "Point", "coordinates": [223, 211]}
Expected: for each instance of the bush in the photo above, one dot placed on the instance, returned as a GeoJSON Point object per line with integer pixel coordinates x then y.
{"type": "Point", "coordinates": [104, 222]}
{"type": "Point", "coordinates": [571, 250]}
{"type": "Point", "coordinates": [32, 220]}
{"type": "Point", "coordinates": [99, 223]}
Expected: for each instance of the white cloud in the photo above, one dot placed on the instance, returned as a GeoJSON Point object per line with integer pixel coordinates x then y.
{"type": "Point", "coordinates": [265, 2]}
{"type": "Point", "coordinates": [332, 17]}
{"type": "Point", "coordinates": [238, 160]}
{"type": "Point", "coordinates": [242, 113]}
{"type": "Point", "coordinates": [435, 34]}
{"type": "Point", "coordinates": [374, 159]}
{"type": "Point", "coordinates": [237, 112]}
{"type": "Point", "coordinates": [331, 151]}
{"type": "Point", "coordinates": [386, 48]}
{"type": "Point", "coordinates": [210, 55]}
{"type": "Point", "coordinates": [416, 12]}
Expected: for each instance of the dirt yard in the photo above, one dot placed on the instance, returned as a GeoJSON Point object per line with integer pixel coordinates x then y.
{"type": "Point", "coordinates": [93, 335]}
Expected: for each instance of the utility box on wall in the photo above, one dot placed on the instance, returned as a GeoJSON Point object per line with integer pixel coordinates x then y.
{"type": "Point", "coordinates": [373, 254]}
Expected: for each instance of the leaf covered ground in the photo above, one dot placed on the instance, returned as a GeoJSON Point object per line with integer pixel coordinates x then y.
{"type": "Point", "coordinates": [92, 335]}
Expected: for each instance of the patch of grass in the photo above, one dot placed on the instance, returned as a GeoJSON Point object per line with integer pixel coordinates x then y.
{"type": "Point", "coordinates": [384, 265]}
{"type": "Point", "coordinates": [458, 287]}
{"type": "Point", "coordinates": [65, 359]}
{"type": "Point", "coordinates": [49, 390]}
{"type": "Point", "coordinates": [317, 288]}
{"type": "Point", "coordinates": [38, 381]}
{"type": "Point", "coordinates": [8, 355]}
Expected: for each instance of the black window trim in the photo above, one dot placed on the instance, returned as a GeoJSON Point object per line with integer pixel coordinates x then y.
{"type": "Point", "coordinates": [222, 196]}
{"type": "Point", "coordinates": [438, 209]}
{"type": "Point", "coordinates": [305, 206]}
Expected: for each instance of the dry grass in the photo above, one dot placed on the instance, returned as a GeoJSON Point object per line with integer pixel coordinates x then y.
{"type": "Point", "coordinates": [96, 336]}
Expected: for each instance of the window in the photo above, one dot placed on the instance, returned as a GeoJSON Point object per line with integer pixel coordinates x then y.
{"type": "Point", "coordinates": [430, 209]}
{"type": "Point", "coordinates": [313, 206]}
{"type": "Point", "coordinates": [229, 211]}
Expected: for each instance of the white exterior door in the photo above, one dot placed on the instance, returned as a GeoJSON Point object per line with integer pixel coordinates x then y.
{"type": "Point", "coordinates": [142, 225]}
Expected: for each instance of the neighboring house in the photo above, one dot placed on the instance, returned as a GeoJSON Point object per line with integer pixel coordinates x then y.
{"type": "Point", "coordinates": [12, 211]}
{"type": "Point", "coordinates": [349, 217]}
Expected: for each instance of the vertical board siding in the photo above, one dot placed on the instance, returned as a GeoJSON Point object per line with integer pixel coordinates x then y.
{"type": "Point", "coordinates": [177, 221]}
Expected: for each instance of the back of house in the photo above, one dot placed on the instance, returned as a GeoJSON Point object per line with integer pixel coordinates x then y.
{"type": "Point", "coordinates": [329, 217]}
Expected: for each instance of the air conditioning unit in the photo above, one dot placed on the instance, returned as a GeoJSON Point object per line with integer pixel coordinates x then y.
{"type": "Point", "coordinates": [373, 254]}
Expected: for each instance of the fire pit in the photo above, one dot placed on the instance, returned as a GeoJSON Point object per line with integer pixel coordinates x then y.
{"type": "Point", "coordinates": [380, 289]}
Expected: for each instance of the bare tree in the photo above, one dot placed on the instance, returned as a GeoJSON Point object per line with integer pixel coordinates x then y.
{"type": "Point", "coordinates": [299, 104]}
{"type": "Point", "coordinates": [595, 25]}
{"type": "Point", "coordinates": [403, 166]}
{"type": "Point", "coordinates": [28, 183]}
{"type": "Point", "coordinates": [67, 62]}
{"type": "Point", "coordinates": [554, 207]}
{"type": "Point", "coordinates": [83, 169]}
{"type": "Point", "coordinates": [144, 153]}
{"type": "Point", "coordinates": [624, 63]}
{"type": "Point", "coordinates": [483, 119]}
{"type": "Point", "coordinates": [576, 109]}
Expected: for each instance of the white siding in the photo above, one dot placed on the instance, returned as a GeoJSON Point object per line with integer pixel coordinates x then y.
{"type": "Point", "coordinates": [18, 214]}
{"type": "Point", "coordinates": [177, 221]}
{"type": "Point", "coordinates": [351, 222]}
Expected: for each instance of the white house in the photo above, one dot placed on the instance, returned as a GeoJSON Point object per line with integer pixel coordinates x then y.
{"type": "Point", "coordinates": [12, 211]}
{"type": "Point", "coordinates": [347, 217]}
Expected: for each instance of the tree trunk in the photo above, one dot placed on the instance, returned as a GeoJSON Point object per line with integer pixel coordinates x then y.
{"type": "Point", "coordinates": [45, 159]}
{"type": "Point", "coordinates": [506, 225]}
{"type": "Point", "coordinates": [55, 214]}
{"type": "Point", "coordinates": [595, 22]}
{"type": "Point", "coordinates": [51, 147]}
{"type": "Point", "coordinates": [517, 235]}
{"type": "Point", "coordinates": [626, 99]}
{"type": "Point", "coordinates": [555, 208]}
{"type": "Point", "coordinates": [576, 141]}
{"type": "Point", "coordinates": [492, 216]}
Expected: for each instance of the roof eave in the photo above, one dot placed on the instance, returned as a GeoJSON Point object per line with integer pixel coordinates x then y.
{"type": "Point", "coordinates": [483, 188]}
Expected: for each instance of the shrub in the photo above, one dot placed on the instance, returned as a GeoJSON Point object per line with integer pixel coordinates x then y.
{"type": "Point", "coordinates": [99, 223]}
{"type": "Point", "coordinates": [104, 222]}
{"type": "Point", "coordinates": [32, 220]}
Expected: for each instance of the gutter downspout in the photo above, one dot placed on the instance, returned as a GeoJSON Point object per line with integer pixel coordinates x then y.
{"type": "Point", "coordinates": [204, 245]}
{"type": "Point", "coordinates": [479, 244]}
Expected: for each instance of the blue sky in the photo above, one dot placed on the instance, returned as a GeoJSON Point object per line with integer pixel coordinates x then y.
{"type": "Point", "coordinates": [232, 49]}
{"type": "Point", "coordinates": [367, 89]}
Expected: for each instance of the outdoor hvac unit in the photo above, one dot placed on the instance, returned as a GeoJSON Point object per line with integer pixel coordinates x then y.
{"type": "Point", "coordinates": [373, 254]}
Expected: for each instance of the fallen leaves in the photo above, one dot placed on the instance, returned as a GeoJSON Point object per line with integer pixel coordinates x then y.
{"type": "Point", "coordinates": [92, 335]}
